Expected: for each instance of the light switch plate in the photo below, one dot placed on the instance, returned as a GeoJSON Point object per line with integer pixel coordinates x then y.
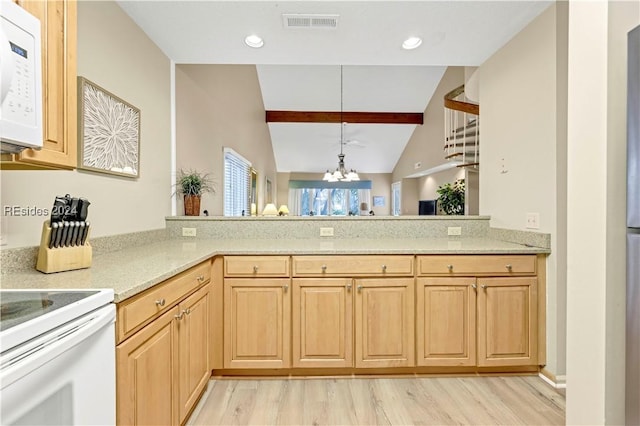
{"type": "Point", "coordinates": [533, 221]}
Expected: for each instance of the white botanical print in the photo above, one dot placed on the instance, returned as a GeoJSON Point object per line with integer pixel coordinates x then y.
{"type": "Point", "coordinates": [110, 133]}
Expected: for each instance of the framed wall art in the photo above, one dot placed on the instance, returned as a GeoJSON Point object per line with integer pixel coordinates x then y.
{"type": "Point", "coordinates": [109, 132]}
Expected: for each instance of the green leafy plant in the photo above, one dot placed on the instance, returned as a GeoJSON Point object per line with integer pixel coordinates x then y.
{"type": "Point", "coordinates": [192, 182]}
{"type": "Point", "coordinates": [451, 197]}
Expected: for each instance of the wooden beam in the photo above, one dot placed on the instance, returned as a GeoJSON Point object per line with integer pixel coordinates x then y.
{"type": "Point", "coordinates": [346, 117]}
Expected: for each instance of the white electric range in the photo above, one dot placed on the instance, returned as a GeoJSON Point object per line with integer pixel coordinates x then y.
{"type": "Point", "coordinates": [57, 357]}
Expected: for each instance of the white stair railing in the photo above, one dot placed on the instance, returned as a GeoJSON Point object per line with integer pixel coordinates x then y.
{"type": "Point", "coordinates": [462, 129]}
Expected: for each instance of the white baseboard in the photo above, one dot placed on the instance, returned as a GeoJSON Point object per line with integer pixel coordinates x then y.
{"type": "Point", "coordinates": [558, 382]}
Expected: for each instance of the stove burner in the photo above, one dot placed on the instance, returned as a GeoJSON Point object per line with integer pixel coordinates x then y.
{"type": "Point", "coordinates": [19, 307]}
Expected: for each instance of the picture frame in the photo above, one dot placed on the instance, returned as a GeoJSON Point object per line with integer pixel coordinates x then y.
{"type": "Point", "coordinates": [108, 132]}
{"type": "Point", "coordinates": [378, 201]}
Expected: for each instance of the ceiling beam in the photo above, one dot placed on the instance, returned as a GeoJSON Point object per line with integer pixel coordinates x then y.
{"type": "Point", "coordinates": [344, 117]}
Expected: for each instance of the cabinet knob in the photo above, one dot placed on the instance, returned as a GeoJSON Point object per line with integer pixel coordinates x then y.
{"type": "Point", "coordinates": [160, 302]}
{"type": "Point", "coordinates": [348, 287]}
{"type": "Point", "coordinates": [359, 288]}
{"type": "Point", "coordinates": [474, 286]}
{"type": "Point", "coordinates": [285, 287]}
{"type": "Point", "coordinates": [200, 278]}
{"type": "Point", "coordinates": [187, 311]}
{"type": "Point", "coordinates": [179, 316]}
{"type": "Point", "coordinates": [450, 267]}
{"type": "Point", "coordinates": [484, 286]}
{"type": "Point", "coordinates": [255, 269]}
{"type": "Point", "coordinates": [324, 268]}
{"type": "Point", "coordinates": [508, 266]}
{"type": "Point", "coordinates": [384, 268]}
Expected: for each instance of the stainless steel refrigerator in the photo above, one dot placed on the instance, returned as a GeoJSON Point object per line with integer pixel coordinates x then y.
{"type": "Point", "coordinates": [633, 230]}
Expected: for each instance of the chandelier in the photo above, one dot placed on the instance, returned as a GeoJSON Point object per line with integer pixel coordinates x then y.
{"type": "Point", "coordinates": [341, 173]}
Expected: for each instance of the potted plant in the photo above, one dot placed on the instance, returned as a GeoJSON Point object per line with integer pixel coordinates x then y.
{"type": "Point", "coordinates": [192, 184]}
{"type": "Point", "coordinates": [451, 197]}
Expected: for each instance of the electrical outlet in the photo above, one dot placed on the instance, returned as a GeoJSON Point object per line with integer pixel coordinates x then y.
{"type": "Point", "coordinates": [533, 221]}
{"type": "Point", "coordinates": [454, 230]}
{"type": "Point", "coordinates": [326, 232]}
{"type": "Point", "coordinates": [188, 232]}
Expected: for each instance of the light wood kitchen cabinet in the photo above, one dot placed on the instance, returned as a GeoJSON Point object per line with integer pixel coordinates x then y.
{"type": "Point", "coordinates": [163, 367]}
{"type": "Point", "coordinates": [384, 322]}
{"type": "Point", "coordinates": [446, 322]}
{"type": "Point", "coordinates": [467, 318]}
{"type": "Point", "coordinates": [507, 321]}
{"type": "Point", "coordinates": [257, 322]}
{"type": "Point", "coordinates": [322, 322]}
{"type": "Point", "coordinates": [58, 20]}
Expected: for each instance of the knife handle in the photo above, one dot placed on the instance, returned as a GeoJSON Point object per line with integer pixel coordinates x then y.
{"type": "Point", "coordinates": [54, 232]}
{"type": "Point", "coordinates": [86, 232]}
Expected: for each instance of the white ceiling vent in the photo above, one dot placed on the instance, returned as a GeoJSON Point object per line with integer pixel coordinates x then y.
{"type": "Point", "coordinates": [310, 21]}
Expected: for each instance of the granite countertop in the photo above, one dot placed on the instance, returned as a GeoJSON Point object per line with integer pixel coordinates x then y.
{"type": "Point", "coordinates": [132, 270]}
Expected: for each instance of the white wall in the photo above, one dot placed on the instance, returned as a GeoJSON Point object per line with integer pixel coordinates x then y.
{"type": "Point", "coordinates": [115, 54]}
{"type": "Point", "coordinates": [519, 96]}
{"type": "Point", "coordinates": [596, 184]}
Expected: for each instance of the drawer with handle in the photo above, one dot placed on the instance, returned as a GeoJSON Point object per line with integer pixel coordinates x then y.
{"type": "Point", "coordinates": [369, 265]}
{"type": "Point", "coordinates": [476, 265]}
{"type": "Point", "coordinates": [256, 266]}
{"type": "Point", "coordinates": [134, 312]}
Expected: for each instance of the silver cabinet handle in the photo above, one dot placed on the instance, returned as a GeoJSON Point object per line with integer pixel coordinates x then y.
{"type": "Point", "coordinates": [348, 287]}
{"type": "Point", "coordinates": [324, 268]}
{"type": "Point", "coordinates": [509, 267]}
{"type": "Point", "coordinates": [255, 269]}
{"type": "Point", "coordinates": [187, 311]}
{"type": "Point", "coordinates": [474, 286]}
{"type": "Point", "coordinates": [200, 278]}
{"type": "Point", "coordinates": [384, 268]}
{"type": "Point", "coordinates": [450, 267]}
{"type": "Point", "coordinates": [160, 302]}
{"type": "Point", "coordinates": [285, 287]}
{"type": "Point", "coordinates": [484, 286]}
{"type": "Point", "coordinates": [359, 288]}
{"type": "Point", "coordinates": [179, 316]}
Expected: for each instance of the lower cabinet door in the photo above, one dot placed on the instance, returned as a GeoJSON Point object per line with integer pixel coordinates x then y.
{"type": "Point", "coordinates": [446, 322]}
{"type": "Point", "coordinates": [257, 323]}
{"type": "Point", "coordinates": [145, 372]}
{"type": "Point", "coordinates": [507, 321]}
{"type": "Point", "coordinates": [322, 322]}
{"type": "Point", "coordinates": [193, 349]}
{"type": "Point", "coordinates": [384, 323]}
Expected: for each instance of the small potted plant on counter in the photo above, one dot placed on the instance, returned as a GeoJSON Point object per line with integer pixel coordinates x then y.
{"type": "Point", "coordinates": [192, 184]}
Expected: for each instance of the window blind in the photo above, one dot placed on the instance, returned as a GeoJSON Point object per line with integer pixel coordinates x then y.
{"type": "Point", "coordinates": [237, 181]}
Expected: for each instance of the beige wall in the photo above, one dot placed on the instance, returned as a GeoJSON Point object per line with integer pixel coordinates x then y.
{"type": "Point", "coordinates": [596, 210]}
{"type": "Point", "coordinates": [520, 120]}
{"type": "Point", "coordinates": [221, 106]}
{"type": "Point", "coordinates": [115, 54]}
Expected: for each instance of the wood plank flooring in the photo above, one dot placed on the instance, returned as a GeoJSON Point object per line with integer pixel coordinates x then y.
{"type": "Point", "coordinates": [503, 400]}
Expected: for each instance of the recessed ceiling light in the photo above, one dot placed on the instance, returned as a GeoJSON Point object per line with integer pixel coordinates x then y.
{"type": "Point", "coordinates": [254, 41]}
{"type": "Point", "coordinates": [411, 43]}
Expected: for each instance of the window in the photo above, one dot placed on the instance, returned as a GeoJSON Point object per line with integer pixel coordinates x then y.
{"type": "Point", "coordinates": [318, 198]}
{"type": "Point", "coordinates": [237, 182]}
{"type": "Point", "coordinates": [395, 198]}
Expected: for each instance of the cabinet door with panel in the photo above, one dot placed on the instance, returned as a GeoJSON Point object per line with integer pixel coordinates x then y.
{"type": "Point", "coordinates": [446, 322]}
{"type": "Point", "coordinates": [145, 373]}
{"type": "Point", "coordinates": [507, 321]}
{"type": "Point", "coordinates": [58, 21]}
{"type": "Point", "coordinates": [257, 323]}
{"type": "Point", "coordinates": [322, 322]}
{"type": "Point", "coordinates": [384, 322]}
{"type": "Point", "coordinates": [193, 349]}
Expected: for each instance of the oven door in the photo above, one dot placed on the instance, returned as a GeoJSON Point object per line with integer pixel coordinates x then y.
{"type": "Point", "coordinates": [63, 377]}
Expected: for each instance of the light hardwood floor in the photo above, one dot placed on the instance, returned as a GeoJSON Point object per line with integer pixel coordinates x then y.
{"type": "Point", "coordinates": [510, 400]}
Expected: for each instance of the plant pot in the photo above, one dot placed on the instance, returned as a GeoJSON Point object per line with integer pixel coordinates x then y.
{"type": "Point", "coordinates": [192, 205]}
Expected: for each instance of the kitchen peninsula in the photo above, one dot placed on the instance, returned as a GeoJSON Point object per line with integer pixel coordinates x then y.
{"type": "Point", "coordinates": [268, 296]}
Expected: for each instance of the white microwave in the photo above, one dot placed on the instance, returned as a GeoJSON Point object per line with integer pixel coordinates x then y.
{"type": "Point", "coordinates": [20, 79]}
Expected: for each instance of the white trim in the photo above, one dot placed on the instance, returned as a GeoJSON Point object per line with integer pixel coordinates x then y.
{"type": "Point", "coordinates": [226, 149]}
{"type": "Point", "coordinates": [559, 384]}
{"type": "Point", "coordinates": [172, 100]}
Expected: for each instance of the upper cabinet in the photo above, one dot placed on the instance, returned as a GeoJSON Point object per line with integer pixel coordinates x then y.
{"type": "Point", "coordinates": [58, 20]}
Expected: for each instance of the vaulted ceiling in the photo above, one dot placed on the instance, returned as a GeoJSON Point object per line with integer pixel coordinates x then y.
{"type": "Point", "coordinates": [300, 69]}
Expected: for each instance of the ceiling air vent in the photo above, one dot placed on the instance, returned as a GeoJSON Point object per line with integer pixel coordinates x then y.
{"type": "Point", "coordinates": [307, 21]}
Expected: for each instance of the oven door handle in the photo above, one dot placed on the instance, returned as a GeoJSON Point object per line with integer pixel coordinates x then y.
{"type": "Point", "coordinates": [26, 358]}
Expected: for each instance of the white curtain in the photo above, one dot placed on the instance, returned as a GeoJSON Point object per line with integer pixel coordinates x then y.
{"type": "Point", "coordinates": [295, 201]}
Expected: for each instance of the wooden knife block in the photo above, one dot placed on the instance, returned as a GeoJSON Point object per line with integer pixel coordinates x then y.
{"type": "Point", "coordinates": [62, 258]}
